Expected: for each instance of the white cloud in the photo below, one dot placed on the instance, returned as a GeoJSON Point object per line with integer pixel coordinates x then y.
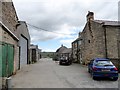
{"type": "Point", "coordinates": [67, 42]}
{"type": "Point", "coordinates": [62, 16]}
{"type": "Point", "coordinates": [65, 32]}
{"type": "Point", "coordinates": [48, 50]}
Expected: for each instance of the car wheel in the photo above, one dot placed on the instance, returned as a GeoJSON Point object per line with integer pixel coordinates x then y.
{"type": "Point", "coordinates": [93, 77]}
{"type": "Point", "coordinates": [115, 78]}
{"type": "Point", "coordinates": [60, 63]}
{"type": "Point", "coordinates": [69, 63]}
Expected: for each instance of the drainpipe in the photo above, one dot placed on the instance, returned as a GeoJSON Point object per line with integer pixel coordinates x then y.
{"type": "Point", "coordinates": [106, 54]}
{"type": "Point", "coordinates": [9, 83]}
{"type": "Point", "coordinates": [118, 45]}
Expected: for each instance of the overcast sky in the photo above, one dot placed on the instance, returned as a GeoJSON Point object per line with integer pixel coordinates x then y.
{"type": "Point", "coordinates": [63, 18]}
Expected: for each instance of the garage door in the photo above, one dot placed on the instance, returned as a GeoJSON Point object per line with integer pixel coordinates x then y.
{"type": "Point", "coordinates": [0, 66]}
{"type": "Point", "coordinates": [23, 51]}
{"type": "Point", "coordinates": [6, 59]}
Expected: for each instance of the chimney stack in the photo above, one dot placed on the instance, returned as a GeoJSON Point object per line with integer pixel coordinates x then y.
{"type": "Point", "coordinates": [90, 16]}
{"type": "Point", "coordinates": [61, 45]}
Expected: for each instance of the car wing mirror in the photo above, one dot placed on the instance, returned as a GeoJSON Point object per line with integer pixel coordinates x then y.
{"type": "Point", "coordinates": [88, 63]}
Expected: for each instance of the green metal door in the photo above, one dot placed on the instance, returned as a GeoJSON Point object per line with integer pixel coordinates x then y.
{"type": "Point", "coordinates": [6, 59]}
{"type": "Point", "coordinates": [0, 60]}
{"type": "Point", "coordinates": [10, 51]}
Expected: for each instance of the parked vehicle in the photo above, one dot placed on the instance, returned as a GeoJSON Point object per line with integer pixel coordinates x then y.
{"type": "Point", "coordinates": [65, 60]}
{"type": "Point", "coordinates": [101, 67]}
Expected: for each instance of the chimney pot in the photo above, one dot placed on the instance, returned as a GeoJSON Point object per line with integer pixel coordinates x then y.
{"type": "Point", "coordinates": [90, 16]}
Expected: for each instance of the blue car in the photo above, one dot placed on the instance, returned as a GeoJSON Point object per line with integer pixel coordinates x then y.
{"type": "Point", "coordinates": [101, 67]}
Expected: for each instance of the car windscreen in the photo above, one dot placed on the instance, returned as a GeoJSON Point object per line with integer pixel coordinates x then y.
{"type": "Point", "coordinates": [63, 58]}
{"type": "Point", "coordinates": [103, 63]}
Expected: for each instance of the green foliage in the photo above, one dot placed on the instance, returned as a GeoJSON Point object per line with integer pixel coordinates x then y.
{"type": "Point", "coordinates": [47, 54]}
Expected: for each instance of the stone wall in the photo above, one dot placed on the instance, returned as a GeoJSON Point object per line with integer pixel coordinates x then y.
{"type": "Point", "coordinates": [119, 11]}
{"type": "Point", "coordinates": [87, 44]}
{"type": "Point", "coordinates": [9, 17]}
{"type": "Point", "coordinates": [0, 10]}
{"type": "Point", "coordinates": [74, 51]}
{"type": "Point", "coordinates": [116, 62]}
{"type": "Point", "coordinates": [98, 40]}
{"type": "Point", "coordinates": [9, 20]}
{"type": "Point", "coordinates": [112, 41]}
{"type": "Point", "coordinates": [6, 37]}
{"type": "Point", "coordinates": [94, 44]}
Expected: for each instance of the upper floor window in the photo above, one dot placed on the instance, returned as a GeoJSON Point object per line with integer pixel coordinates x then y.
{"type": "Point", "coordinates": [79, 42]}
{"type": "Point", "coordinates": [88, 41]}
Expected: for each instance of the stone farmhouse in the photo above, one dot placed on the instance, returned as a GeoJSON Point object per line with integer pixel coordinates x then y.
{"type": "Point", "coordinates": [99, 39]}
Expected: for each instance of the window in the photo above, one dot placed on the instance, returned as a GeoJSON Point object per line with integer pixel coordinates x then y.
{"type": "Point", "coordinates": [103, 63]}
{"type": "Point", "coordinates": [88, 41]}
{"type": "Point", "coordinates": [79, 42]}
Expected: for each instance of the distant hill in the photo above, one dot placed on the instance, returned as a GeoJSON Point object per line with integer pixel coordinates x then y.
{"type": "Point", "coordinates": [47, 54]}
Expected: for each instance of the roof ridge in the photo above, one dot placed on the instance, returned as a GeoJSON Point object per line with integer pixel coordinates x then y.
{"type": "Point", "coordinates": [107, 22]}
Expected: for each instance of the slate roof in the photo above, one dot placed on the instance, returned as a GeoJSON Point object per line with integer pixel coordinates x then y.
{"type": "Point", "coordinates": [68, 50]}
{"type": "Point", "coordinates": [108, 23]}
{"type": "Point", "coordinates": [60, 50]}
{"type": "Point", "coordinates": [76, 40]}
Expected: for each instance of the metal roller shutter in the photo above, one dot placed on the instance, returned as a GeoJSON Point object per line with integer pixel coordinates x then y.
{"type": "Point", "coordinates": [23, 51]}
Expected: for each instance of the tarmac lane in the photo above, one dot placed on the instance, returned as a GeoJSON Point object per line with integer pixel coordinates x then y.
{"type": "Point", "coordinates": [49, 74]}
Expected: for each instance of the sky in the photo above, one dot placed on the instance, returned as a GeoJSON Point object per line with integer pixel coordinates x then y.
{"type": "Point", "coordinates": [63, 19]}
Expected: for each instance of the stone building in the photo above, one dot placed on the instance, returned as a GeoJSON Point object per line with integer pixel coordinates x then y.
{"type": "Point", "coordinates": [35, 54]}
{"type": "Point", "coordinates": [100, 39]}
{"type": "Point", "coordinates": [75, 50]}
{"type": "Point", "coordinates": [9, 48]}
{"type": "Point", "coordinates": [59, 51]}
{"type": "Point", "coordinates": [8, 40]}
{"type": "Point", "coordinates": [62, 51]}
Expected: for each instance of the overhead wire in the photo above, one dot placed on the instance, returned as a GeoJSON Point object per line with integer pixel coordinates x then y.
{"type": "Point", "coordinates": [47, 30]}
